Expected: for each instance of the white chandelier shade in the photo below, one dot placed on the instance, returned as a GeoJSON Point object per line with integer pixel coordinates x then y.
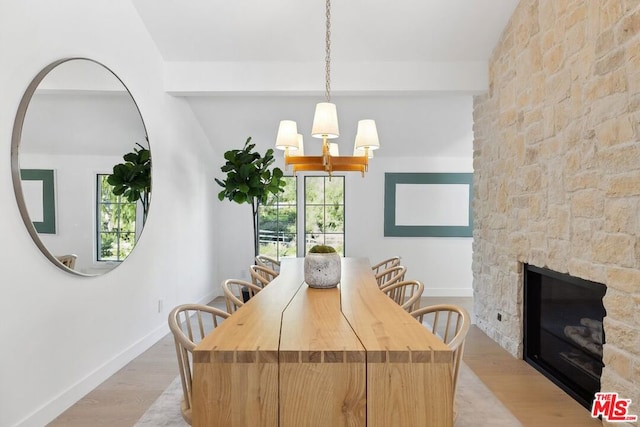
{"type": "Point", "coordinates": [325, 121]}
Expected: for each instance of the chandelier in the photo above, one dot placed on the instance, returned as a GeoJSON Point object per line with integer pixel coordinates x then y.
{"type": "Point", "coordinates": [325, 127]}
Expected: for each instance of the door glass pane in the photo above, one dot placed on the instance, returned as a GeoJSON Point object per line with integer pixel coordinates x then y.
{"type": "Point", "coordinates": [277, 222]}
{"type": "Point", "coordinates": [324, 212]}
{"type": "Point", "coordinates": [314, 221]}
{"type": "Point", "coordinates": [334, 218]}
{"type": "Point", "coordinates": [314, 190]}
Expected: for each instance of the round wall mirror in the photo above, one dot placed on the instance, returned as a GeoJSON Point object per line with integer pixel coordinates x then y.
{"type": "Point", "coordinates": [81, 166]}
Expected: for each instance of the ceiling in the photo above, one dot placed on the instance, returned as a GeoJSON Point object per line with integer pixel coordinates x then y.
{"type": "Point", "coordinates": [293, 30]}
{"type": "Point", "coordinates": [244, 65]}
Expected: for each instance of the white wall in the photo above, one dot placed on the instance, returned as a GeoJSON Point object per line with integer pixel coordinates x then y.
{"type": "Point", "coordinates": [63, 334]}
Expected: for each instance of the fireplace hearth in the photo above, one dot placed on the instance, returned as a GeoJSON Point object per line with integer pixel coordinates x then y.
{"type": "Point", "coordinates": [563, 334]}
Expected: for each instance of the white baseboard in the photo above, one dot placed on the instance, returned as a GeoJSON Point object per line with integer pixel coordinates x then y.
{"type": "Point", "coordinates": [209, 297]}
{"type": "Point", "coordinates": [447, 292]}
{"type": "Point", "coordinates": [50, 410]}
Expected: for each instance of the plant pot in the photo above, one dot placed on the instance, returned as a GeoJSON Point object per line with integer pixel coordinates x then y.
{"type": "Point", "coordinates": [322, 270]}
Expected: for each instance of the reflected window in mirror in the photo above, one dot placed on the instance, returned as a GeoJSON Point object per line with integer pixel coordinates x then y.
{"type": "Point", "coordinates": [116, 223]}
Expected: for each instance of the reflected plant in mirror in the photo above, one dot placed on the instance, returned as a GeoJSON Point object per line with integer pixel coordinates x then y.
{"type": "Point", "coordinates": [75, 122]}
{"type": "Point", "coordinates": [132, 179]}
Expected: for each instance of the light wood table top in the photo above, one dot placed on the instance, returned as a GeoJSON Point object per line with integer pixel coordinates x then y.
{"type": "Point", "coordinates": [297, 356]}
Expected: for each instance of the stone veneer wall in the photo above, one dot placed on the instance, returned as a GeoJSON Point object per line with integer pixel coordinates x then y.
{"type": "Point", "coordinates": [557, 169]}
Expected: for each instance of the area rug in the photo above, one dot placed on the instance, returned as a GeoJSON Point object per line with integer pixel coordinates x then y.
{"type": "Point", "coordinates": [476, 406]}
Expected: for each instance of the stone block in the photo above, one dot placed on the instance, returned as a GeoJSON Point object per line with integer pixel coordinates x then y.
{"type": "Point", "coordinates": [611, 12]}
{"type": "Point", "coordinates": [634, 85]}
{"type": "Point", "coordinates": [617, 360]}
{"type": "Point", "coordinates": [620, 305]}
{"type": "Point", "coordinates": [581, 65]}
{"type": "Point", "coordinates": [613, 248]}
{"type": "Point", "coordinates": [581, 232]}
{"type": "Point", "coordinates": [604, 43]}
{"type": "Point", "coordinates": [578, 14]}
{"type": "Point", "coordinates": [620, 158]}
{"type": "Point", "coordinates": [623, 279]}
{"type": "Point", "coordinates": [611, 62]}
{"type": "Point", "coordinates": [587, 203]}
{"type": "Point", "coordinates": [558, 254]}
{"type": "Point", "coordinates": [614, 131]}
{"type": "Point", "coordinates": [633, 55]}
{"type": "Point", "coordinates": [628, 27]}
{"type": "Point", "coordinates": [603, 86]}
{"type": "Point", "coordinates": [621, 215]}
{"type": "Point", "coordinates": [553, 59]}
{"type": "Point", "coordinates": [584, 180]}
{"type": "Point", "coordinates": [587, 270]}
{"type": "Point", "coordinates": [557, 86]}
{"type": "Point", "coordinates": [558, 226]}
{"type": "Point", "coordinates": [622, 334]}
{"type": "Point", "coordinates": [608, 107]}
{"type": "Point", "coordinates": [548, 39]}
{"type": "Point", "coordinates": [575, 37]}
{"type": "Point", "coordinates": [562, 115]}
{"type": "Point", "coordinates": [623, 185]}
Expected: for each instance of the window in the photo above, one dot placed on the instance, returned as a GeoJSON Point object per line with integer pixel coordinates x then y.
{"type": "Point", "coordinates": [277, 223]}
{"type": "Point", "coordinates": [323, 217]}
{"type": "Point", "coordinates": [324, 212]}
{"type": "Point", "coordinates": [116, 223]}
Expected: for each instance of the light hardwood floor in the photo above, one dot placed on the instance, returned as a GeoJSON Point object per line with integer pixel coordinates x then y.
{"type": "Point", "coordinates": [534, 400]}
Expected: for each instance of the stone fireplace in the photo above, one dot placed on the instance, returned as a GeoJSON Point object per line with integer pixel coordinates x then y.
{"type": "Point", "coordinates": [557, 170]}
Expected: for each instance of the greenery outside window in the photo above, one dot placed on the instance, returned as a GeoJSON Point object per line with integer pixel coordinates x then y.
{"type": "Point", "coordinates": [116, 223]}
{"type": "Point", "coordinates": [277, 222]}
{"type": "Point", "coordinates": [324, 212]}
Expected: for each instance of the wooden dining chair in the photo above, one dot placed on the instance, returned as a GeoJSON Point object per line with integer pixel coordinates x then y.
{"type": "Point", "coordinates": [237, 292]}
{"type": "Point", "coordinates": [385, 264]}
{"type": "Point", "coordinates": [262, 276]}
{"type": "Point", "coordinates": [450, 323]}
{"type": "Point", "coordinates": [269, 262]}
{"type": "Point", "coordinates": [68, 261]}
{"type": "Point", "coordinates": [189, 324]}
{"type": "Point", "coordinates": [390, 276]}
{"type": "Point", "coordinates": [406, 293]}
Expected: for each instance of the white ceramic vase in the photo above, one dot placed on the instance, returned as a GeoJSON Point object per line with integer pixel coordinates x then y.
{"type": "Point", "coordinates": [322, 270]}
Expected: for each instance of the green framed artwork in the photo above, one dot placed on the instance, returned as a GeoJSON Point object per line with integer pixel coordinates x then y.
{"type": "Point", "coordinates": [428, 204]}
{"type": "Point", "coordinates": [38, 189]}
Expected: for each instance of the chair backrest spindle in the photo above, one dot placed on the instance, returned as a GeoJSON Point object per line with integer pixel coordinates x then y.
{"type": "Point", "coordinates": [262, 276]}
{"type": "Point", "coordinates": [406, 293]}
{"type": "Point", "coordinates": [237, 292]}
{"type": "Point", "coordinates": [183, 319]}
{"type": "Point", "coordinates": [453, 330]}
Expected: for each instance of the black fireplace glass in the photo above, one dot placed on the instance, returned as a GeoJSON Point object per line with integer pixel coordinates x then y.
{"type": "Point", "coordinates": [563, 333]}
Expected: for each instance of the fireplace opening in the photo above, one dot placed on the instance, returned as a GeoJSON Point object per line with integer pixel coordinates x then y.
{"type": "Point", "coordinates": [563, 334]}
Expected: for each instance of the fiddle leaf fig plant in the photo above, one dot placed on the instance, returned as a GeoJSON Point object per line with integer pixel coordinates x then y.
{"type": "Point", "coordinates": [250, 180]}
{"type": "Point", "coordinates": [132, 179]}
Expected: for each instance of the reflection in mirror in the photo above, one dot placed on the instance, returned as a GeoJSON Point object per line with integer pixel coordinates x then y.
{"type": "Point", "coordinates": [76, 122]}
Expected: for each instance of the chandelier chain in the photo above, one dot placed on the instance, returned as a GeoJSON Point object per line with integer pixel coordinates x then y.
{"type": "Point", "coordinates": [327, 60]}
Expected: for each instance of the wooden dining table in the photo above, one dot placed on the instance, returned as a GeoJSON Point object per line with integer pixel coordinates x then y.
{"type": "Point", "coordinates": [298, 356]}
